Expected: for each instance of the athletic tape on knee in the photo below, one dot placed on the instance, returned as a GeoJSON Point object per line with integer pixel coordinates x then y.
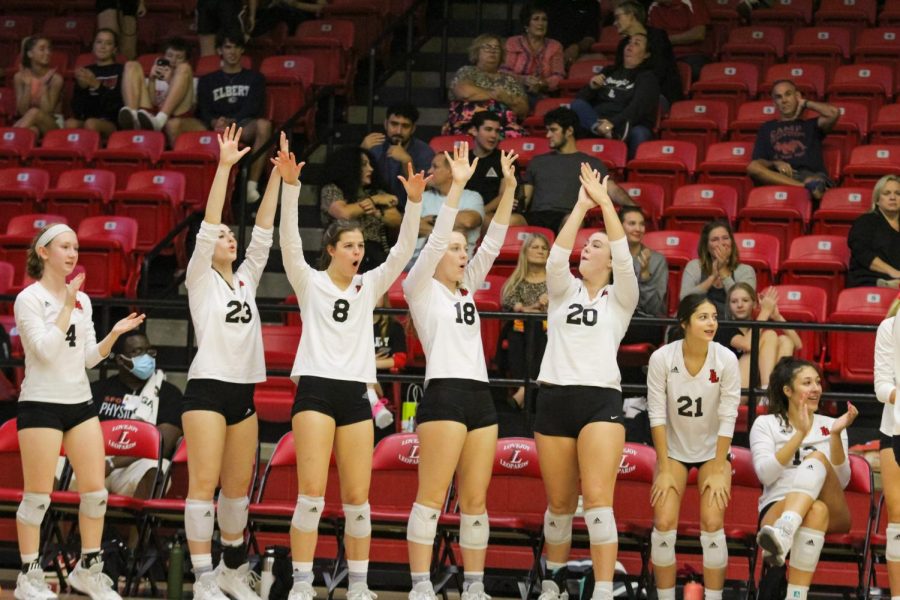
{"type": "Point", "coordinates": [422, 525]}
{"type": "Point", "coordinates": [662, 547]}
{"type": "Point", "coordinates": [715, 549]}
{"type": "Point", "coordinates": [232, 513]}
{"type": "Point", "coordinates": [806, 549]}
{"type": "Point", "coordinates": [557, 528]}
{"type": "Point", "coordinates": [93, 504]}
{"type": "Point", "coordinates": [357, 520]}
{"type": "Point", "coordinates": [601, 524]}
{"type": "Point", "coordinates": [32, 508]}
{"type": "Point", "coordinates": [474, 531]}
{"type": "Point", "coordinates": [892, 547]}
{"type": "Point", "coordinates": [308, 512]}
{"type": "Point", "coordinates": [199, 520]}
{"type": "Point", "coordinates": [810, 478]}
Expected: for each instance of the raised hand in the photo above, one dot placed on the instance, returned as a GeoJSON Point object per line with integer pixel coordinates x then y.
{"type": "Point", "coordinates": [845, 420]}
{"type": "Point", "coordinates": [459, 163]}
{"type": "Point", "coordinates": [414, 184]}
{"type": "Point", "coordinates": [597, 190]}
{"type": "Point", "coordinates": [130, 322]}
{"type": "Point", "coordinates": [229, 140]}
{"type": "Point", "coordinates": [584, 201]}
{"type": "Point", "coordinates": [72, 289]}
{"type": "Point", "coordinates": [287, 165]}
{"type": "Point", "coordinates": [508, 166]}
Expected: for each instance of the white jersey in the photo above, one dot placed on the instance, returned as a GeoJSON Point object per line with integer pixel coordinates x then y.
{"type": "Point", "coordinates": [769, 435]}
{"type": "Point", "coordinates": [696, 410]}
{"type": "Point", "coordinates": [447, 321]}
{"type": "Point", "coordinates": [887, 372]}
{"type": "Point", "coordinates": [229, 336]}
{"type": "Point", "coordinates": [55, 362]}
{"type": "Point", "coordinates": [338, 333]}
{"type": "Point", "coordinates": [583, 334]}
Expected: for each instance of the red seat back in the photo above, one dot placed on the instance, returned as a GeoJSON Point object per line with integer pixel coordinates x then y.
{"type": "Point", "coordinates": [838, 209]}
{"type": "Point", "coordinates": [762, 252]}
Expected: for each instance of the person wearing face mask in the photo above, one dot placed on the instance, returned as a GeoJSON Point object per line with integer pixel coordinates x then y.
{"type": "Point", "coordinates": [138, 391]}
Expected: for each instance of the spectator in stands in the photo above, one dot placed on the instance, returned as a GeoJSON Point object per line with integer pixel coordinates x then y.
{"type": "Point", "coordinates": [573, 23]}
{"type": "Point", "coordinates": [686, 23]}
{"type": "Point", "coordinates": [169, 91]}
{"type": "Point", "coordinates": [630, 18]}
{"type": "Point", "coordinates": [487, 179]}
{"type": "Point", "coordinates": [38, 88]}
{"type": "Point", "coordinates": [223, 17]}
{"type": "Point", "coordinates": [97, 96]}
{"type": "Point", "coordinates": [773, 345]}
{"type": "Point", "coordinates": [233, 94]}
{"type": "Point", "coordinates": [120, 17]}
{"type": "Point", "coordinates": [394, 149]}
{"type": "Point", "coordinates": [534, 59]}
{"type": "Point", "coordinates": [351, 192]}
{"type": "Point", "coordinates": [621, 102]}
{"type": "Point", "coordinates": [875, 239]}
{"type": "Point", "coordinates": [788, 150]}
{"type": "Point", "coordinates": [551, 180]}
{"type": "Point", "coordinates": [481, 86]}
{"type": "Point", "coordinates": [653, 278]}
{"type": "Point", "coordinates": [139, 391]}
{"type": "Point", "coordinates": [526, 291]}
{"type": "Point", "coordinates": [271, 13]}
{"type": "Point", "coordinates": [471, 207]}
{"type": "Point", "coordinates": [718, 267]}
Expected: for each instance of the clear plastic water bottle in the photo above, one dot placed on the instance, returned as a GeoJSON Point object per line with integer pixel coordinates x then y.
{"type": "Point", "coordinates": [267, 578]}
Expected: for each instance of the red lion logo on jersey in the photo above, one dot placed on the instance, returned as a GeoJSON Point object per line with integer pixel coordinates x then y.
{"type": "Point", "coordinates": [713, 378]}
{"type": "Point", "coordinates": [825, 430]}
{"type": "Point", "coordinates": [78, 305]}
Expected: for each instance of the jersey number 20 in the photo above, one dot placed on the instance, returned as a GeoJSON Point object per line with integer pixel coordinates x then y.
{"type": "Point", "coordinates": [234, 315]}
{"type": "Point", "coordinates": [579, 315]}
{"type": "Point", "coordinates": [686, 407]}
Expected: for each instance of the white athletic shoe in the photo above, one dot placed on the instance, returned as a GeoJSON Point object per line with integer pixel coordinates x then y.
{"type": "Point", "coordinates": [422, 591]}
{"type": "Point", "coordinates": [32, 585]}
{"type": "Point", "coordinates": [207, 588]}
{"type": "Point", "coordinates": [775, 542]}
{"type": "Point", "coordinates": [235, 582]}
{"type": "Point", "coordinates": [302, 591]}
{"type": "Point", "coordinates": [360, 591]}
{"type": "Point", "coordinates": [550, 591]}
{"type": "Point", "coordinates": [93, 582]}
{"type": "Point", "coordinates": [475, 592]}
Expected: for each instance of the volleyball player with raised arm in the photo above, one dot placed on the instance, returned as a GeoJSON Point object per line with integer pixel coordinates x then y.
{"type": "Point", "coordinates": [54, 320]}
{"type": "Point", "coordinates": [578, 425]}
{"type": "Point", "coordinates": [693, 393]}
{"type": "Point", "coordinates": [218, 415]}
{"type": "Point", "coordinates": [457, 422]}
{"type": "Point", "coordinates": [335, 361]}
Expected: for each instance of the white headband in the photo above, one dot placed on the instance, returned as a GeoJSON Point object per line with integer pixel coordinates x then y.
{"type": "Point", "coordinates": [52, 232]}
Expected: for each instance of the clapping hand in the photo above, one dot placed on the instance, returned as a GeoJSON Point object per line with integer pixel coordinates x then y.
{"type": "Point", "coordinates": [845, 420]}
{"type": "Point", "coordinates": [596, 189]}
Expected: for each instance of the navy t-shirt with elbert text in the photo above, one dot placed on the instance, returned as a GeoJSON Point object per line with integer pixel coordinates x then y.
{"type": "Point", "coordinates": [797, 142]}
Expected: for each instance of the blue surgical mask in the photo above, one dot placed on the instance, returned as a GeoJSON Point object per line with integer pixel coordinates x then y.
{"type": "Point", "coordinates": [143, 366]}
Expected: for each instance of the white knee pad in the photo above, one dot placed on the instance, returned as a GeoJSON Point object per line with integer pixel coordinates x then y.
{"type": "Point", "coordinates": [422, 526]}
{"type": "Point", "coordinates": [715, 549]}
{"type": "Point", "coordinates": [892, 549]}
{"type": "Point", "coordinates": [810, 478]}
{"type": "Point", "coordinates": [806, 549]}
{"type": "Point", "coordinates": [32, 508]}
{"type": "Point", "coordinates": [662, 547]}
{"type": "Point", "coordinates": [601, 524]}
{"type": "Point", "coordinates": [357, 520]}
{"type": "Point", "coordinates": [232, 513]}
{"type": "Point", "coordinates": [93, 504]}
{"type": "Point", "coordinates": [557, 528]}
{"type": "Point", "coordinates": [308, 512]}
{"type": "Point", "coordinates": [474, 531]}
{"type": "Point", "coordinates": [199, 520]}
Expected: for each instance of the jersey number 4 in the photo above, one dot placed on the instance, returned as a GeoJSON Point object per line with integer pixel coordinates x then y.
{"type": "Point", "coordinates": [236, 307]}
{"type": "Point", "coordinates": [465, 313]}
{"type": "Point", "coordinates": [686, 407]}
{"type": "Point", "coordinates": [579, 315]}
{"type": "Point", "coordinates": [70, 336]}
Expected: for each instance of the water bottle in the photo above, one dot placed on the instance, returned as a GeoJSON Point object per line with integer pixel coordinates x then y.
{"type": "Point", "coordinates": [268, 577]}
{"type": "Point", "coordinates": [176, 570]}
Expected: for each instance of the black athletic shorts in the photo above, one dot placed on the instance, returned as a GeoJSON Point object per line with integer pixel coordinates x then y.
{"type": "Point", "coordinates": [215, 16]}
{"type": "Point", "coordinates": [697, 465]}
{"type": "Point", "coordinates": [564, 410]}
{"type": "Point", "coordinates": [885, 442]}
{"type": "Point", "coordinates": [763, 512]}
{"type": "Point", "coordinates": [234, 401]}
{"type": "Point", "coordinates": [126, 7]}
{"type": "Point", "coordinates": [52, 415]}
{"type": "Point", "coordinates": [464, 401]}
{"type": "Point", "coordinates": [347, 402]}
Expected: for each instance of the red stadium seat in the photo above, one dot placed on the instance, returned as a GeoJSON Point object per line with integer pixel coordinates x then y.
{"type": "Point", "coordinates": [750, 117]}
{"type": "Point", "coordinates": [650, 197]}
{"type": "Point", "coordinates": [64, 149]}
{"type": "Point", "coordinates": [613, 153]}
{"type": "Point", "coordinates": [154, 199]}
{"type": "Point", "coordinates": [762, 252]}
{"type": "Point", "coordinates": [21, 190]}
{"type": "Point", "coordinates": [7, 106]}
{"type": "Point", "coordinates": [886, 128]}
{"type": "Point", "coordinates": [580, 74]}
{"type": "Point", "coordinates": [608, 42]}
{"type": "Point", "coordinates": [726, 163]}
{"type": "Point", "coordinates": [742, 513]}
{"type": "Point", "coordinates": [329, 44]}
{"type": "Point", "coordinates": [678, 248]}
{"type": "Point", "coordinates": [15, 144]}
{"type": "Point", "coordinates": [695, 205]}
{"type": "Point", "coordinates": [851, 354]}
{"type": "Point", "coordinates": [446, 143]}
{"type": "Point", "coordinates": [106, 249]}
{"type": "Point", "coordinates": [515, 237]}
{"type": "Point", "coordinates": [72, 35]}
{"type": "Point", "coordinates": [867, 83]}
{"type": "Point", "coordinates": [130, 151]}
{"type": "Point", "coordinates": [759, 45]}
{"type": "Point", "coordinates": [733, 82]}
{"type": "Point", "coordinates": [671, 164]}
{"type": "Point", "coordinates": [789, 14]}
{"type": "Point", "coordinates": [879, 45]}
{"type": "Point", "coordinates": [782, 211]}
{"type": "Point", "coordinates": [804, 304]}
{"type": "Point", "coordinates": [723, 17]}
{"type": "Point", "coordinates": [817, 260]}
{"type": "Point", "coordinates": [490, 298]}
{"type": "Point", "coordinates": [289, 84]}
{"type": "Point", "coordinates": [80, 193]}
{"type": "Point", "coordinates": [16, 242]}
{"type": "Point", "coordinates": [890, 14]}
{"type": "Point", "coordinates": [838, 209]}
{"type": "Point", "coordinates": [212, 63]}
{"type": "Point", "coordinates": [13, 29]}
{"type": "Point", "coordinates": [702, 122]}
{"type": "Point", "coordinates": [634, 520]}
{"type": "Point", "coordinates": [851, 129]}
{"type": "Point", "coordinates": [368, 19]}
{"type": "Point", "coordinates": [854, 14]}
{"type": "Point", "coordinates": [535, 121]}
{"type": "Point", "coordinates": [870, 163]}
{"type": "Point", "coordinates": [526, 147]}
{"type": "Point", "coordinates": [825, 46]}
{"type": "Point", "coordinates": [808, 77]}
{"type": "Point", "coordinates": [280, 343]}
{"type": "Point", "coordinates": [195, 155]}
{"type": "Point", "coordinates": [274, 399]}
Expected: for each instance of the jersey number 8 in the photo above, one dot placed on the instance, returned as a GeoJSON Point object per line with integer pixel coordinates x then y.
{"type": "Point", "coordinates": [341, 310]}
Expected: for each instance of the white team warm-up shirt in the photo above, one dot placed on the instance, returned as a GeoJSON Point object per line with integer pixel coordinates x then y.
{"type": "Point", "coordinates": [447, 321]}
{"type": "Point", "coordinates": [229, 336]}
{"type": "Point", "coordinates": [583, 334]}
{"type": "Point", "coordinates": [338, 339]}
{"type": "Point", "coordinates": [55, 362]}
{"type": "Point", "coordinates": [696, 410]}
{"type": "Point", "coordinates": [887, 373]}
{"type": "Point", "coordinates": [769, 435]}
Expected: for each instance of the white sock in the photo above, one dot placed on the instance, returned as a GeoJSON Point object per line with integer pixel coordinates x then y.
{"type": "Point", "coordinates": [796, 592]}
{"type": "Point", "coordinates": [790, 521]}
{"type": "Point", "coordinates": [665, 594]}
{"type": "Point", "coordinates": [201, 563]}
{"type": "Point", "coordinates": [252, 191]}
{"type": "Point", "coordinates": [712, 594]}
{"type": "Point", "coordinates": [603, 590]}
